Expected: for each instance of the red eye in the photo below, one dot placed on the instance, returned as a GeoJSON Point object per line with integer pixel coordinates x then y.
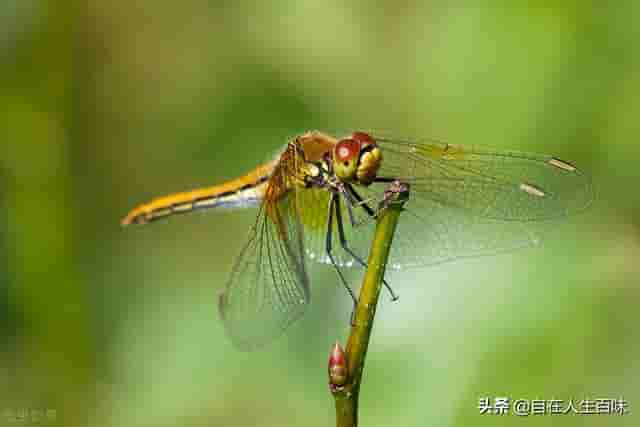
{"type": "Point", "coordinates": [363, 138]}
{"type": "Point", "coordinates": [346, 150]}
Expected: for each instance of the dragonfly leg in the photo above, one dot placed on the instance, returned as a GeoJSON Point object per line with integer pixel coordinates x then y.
{"type": "Point", "coordinates": [343, 243]}
{"type": "Point", "coordinates": [384, 179]}
{"type": "Point", "coordinates": [352, 218]}
{"type": "Point", "coordinates": [361, 202]}
{"type": "Point", "coordinates": [329, 248]}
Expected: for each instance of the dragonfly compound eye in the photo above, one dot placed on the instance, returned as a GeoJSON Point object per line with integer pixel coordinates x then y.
{"type": "Point", "coordinates": [363, 138]}
{"type": "Point", "coordinates": [346, 155]}
{"type": "Point", "coordinates": [370, 158]}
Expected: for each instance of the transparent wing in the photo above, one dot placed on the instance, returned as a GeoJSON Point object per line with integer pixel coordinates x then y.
{"type": "Point", "coordinates": [430, 232]}
{"type": "Point", "coordinates": [464, 202]}
{"type": "Point", "coordinates": [268, 288]}
{"type": "Point", "coordinates": [491, 184]}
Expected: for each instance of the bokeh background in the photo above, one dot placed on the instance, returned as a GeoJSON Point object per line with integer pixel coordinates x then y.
{"type": "Point", "coordinates": [106, 104]}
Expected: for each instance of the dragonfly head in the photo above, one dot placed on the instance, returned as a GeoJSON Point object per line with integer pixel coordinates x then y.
{"type": "Point", "coordinates": [357, 159]}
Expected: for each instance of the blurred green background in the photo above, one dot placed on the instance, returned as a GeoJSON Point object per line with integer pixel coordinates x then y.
{"type": "Point", "coordinates": [107, 104]}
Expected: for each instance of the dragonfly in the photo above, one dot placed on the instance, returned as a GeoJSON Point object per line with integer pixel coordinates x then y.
{"type": "Point", "coordinates": [319, 198]}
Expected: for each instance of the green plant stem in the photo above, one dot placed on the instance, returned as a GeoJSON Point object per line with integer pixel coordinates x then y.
{"type": "Point", "coordinates": [346, 397]}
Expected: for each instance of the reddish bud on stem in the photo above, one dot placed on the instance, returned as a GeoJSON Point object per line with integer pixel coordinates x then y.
{"type": "Point", "coordinates": [337, 367]}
